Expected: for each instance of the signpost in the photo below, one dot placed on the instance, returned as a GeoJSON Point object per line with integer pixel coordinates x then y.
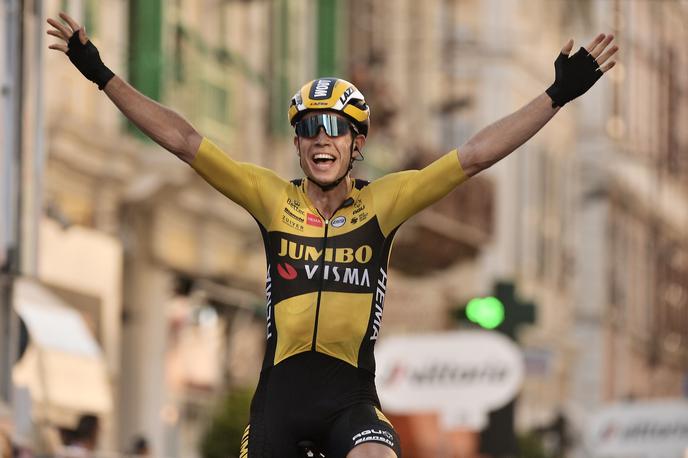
{"type": "Point", "coordinates": [461, 375]}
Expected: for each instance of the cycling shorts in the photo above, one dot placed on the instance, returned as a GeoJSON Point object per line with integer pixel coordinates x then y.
{"type": "Point", "coordinates": [316, 398]}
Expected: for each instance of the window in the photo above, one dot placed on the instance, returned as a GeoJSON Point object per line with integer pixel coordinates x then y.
{"type": "Point", "coordinates": [145, 46]}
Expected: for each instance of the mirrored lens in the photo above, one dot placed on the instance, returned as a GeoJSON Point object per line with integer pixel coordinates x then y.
{"type": "Point", "coordinates": [334, 126]}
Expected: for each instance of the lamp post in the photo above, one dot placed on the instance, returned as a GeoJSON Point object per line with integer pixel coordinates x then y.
{"type": "Point", "coordinates": [503, 312]}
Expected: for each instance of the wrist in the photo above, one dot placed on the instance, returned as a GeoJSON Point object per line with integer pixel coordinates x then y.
{"type": "Point", "coordinates": [556, 95]}
{"type": "Point", "coordinates": [104, 75]}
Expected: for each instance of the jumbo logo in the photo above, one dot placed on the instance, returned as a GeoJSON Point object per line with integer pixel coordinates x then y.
{"type": "Point", "coordinates": [293, 250]}
{"type": "Point", "coordinates": [322, 89]}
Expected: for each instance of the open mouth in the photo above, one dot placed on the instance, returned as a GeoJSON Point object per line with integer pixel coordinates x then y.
{"type": "Point", "coordinates": [322, 158]}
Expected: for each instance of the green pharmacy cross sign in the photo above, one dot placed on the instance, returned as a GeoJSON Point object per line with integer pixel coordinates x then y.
{"type": "Point", "coordinates": [502, 311]}
{"type": "Point", "coordinates": [487, 312]}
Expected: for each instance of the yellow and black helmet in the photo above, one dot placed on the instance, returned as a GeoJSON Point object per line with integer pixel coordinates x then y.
{"type": "Point", "coordinates": [331, 94]}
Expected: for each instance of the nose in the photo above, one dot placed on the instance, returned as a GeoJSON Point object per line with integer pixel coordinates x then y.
{"type": "Point", "coordinates": [322, 135]}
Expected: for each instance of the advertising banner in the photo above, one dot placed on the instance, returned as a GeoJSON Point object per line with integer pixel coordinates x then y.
{"type": "Point", "coordinates": [461, 375]}
{"type": "Point", "coordinates": [642, 429]}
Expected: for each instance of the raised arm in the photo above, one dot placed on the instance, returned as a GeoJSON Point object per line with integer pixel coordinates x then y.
{"type": "Point", "coordinates": [574, 76]}
{"type": "Point", "coordinates": [162, 125]}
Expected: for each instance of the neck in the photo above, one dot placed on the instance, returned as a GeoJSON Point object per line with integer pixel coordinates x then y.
{"type": "Point", "coordinates": [327, 202]}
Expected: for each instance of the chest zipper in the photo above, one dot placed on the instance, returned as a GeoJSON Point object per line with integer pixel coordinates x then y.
{"type": "Point", "coordinates": [347, 202]}
{"type": "Point", "coordinates": [322, 284]}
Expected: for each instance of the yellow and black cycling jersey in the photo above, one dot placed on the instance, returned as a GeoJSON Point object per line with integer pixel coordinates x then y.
{"type": "Point", "coordinates": [326, 278]}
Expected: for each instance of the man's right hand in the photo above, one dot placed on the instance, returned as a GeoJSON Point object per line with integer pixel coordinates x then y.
{"type": "Point", "coordinates": [81, 52]}
{"type": "Point", "coordinates": [162, 125]}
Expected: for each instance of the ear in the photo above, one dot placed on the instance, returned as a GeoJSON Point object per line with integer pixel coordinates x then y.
{"type": "Point", "coordinates": [359, 142]}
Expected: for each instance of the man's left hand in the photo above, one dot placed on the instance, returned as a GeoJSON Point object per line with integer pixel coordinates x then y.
{"type": "Point", "coordinates": [575, 74]}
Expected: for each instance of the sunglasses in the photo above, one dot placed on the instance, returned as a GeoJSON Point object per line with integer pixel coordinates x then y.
{"type": "Point", "coordinates": [334, 126]}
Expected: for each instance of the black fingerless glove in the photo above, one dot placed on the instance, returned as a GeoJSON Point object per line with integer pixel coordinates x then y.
{"type": "Point", "coordinates": [86, 59]}
{"type": "Point", "coordinates": [573, 77]}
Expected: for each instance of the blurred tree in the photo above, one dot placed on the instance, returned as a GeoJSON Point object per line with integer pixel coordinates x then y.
{"type": "Point", "coordinates": [223, 435]}
{"type": "Point", "coordinates": [530, 446]}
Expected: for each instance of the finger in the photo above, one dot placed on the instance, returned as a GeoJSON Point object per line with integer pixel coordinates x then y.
{"type": "Point", "coordinates": [82, 35]}
{"type": "Point", "coordinates": [567, 47]}
{"type": "Point", "coordinates": [57, 33]}
{"type": "Point", "coordinates": [608, 66]}
{"type": "Point", "coordinates": [597, 40]}
{"type": "Point", "coordinates": [61, 27]}
{"type": "Point", "coordinates": [59, 47]}
{"type": "Point", "coordinates": [70, 20]}
{"type": "Point", "coordinates": [601, 46]}
{"type": "Point", "coordinates": [606, 55]}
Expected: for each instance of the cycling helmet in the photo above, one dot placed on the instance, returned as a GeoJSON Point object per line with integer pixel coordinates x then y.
{"type": "Point", "coordinates": [331, 94]}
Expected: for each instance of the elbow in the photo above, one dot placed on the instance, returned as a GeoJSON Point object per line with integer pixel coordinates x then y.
{"type": "Point", "coordinates": [192, 141]}
{"type": "Point", "coordinates": [183, 144]}
{"type": "Point", "coordinates": [471, 160]}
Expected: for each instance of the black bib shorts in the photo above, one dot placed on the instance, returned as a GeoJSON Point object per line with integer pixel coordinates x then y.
{"type": "Point", "coordinates": [316, 398]}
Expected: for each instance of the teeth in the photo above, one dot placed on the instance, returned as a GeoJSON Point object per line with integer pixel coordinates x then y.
{"type": "Point", "coordinates": [323, 156]}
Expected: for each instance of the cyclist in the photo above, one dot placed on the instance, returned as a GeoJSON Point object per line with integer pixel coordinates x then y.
{"type": "Point", "coordinates": [327, 240]}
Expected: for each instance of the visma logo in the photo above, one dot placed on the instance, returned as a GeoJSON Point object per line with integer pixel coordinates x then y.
{"type": "Point", "coordinates": [286, 271]}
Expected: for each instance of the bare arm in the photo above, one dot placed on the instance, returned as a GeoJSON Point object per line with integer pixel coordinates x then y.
{"type": "Point", "coordinates": [164, 126]}
{"type": "Point", "coordinates": [501, 138]}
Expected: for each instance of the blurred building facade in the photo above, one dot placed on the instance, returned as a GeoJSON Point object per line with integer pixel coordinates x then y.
{"type": "Point", "coordinates": [646, 319]}
{"type": "Point", "coordinates": [587, 219]}
{"type": "Point", "coordinates": [446, 69]}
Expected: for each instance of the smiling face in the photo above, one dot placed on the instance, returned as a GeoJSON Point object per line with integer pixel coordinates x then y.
{"type": "Point", "coordinates": [323, 158]}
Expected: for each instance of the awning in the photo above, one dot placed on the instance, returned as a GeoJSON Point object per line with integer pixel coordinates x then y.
{"type": "Point", "coordinates": [63, 366]}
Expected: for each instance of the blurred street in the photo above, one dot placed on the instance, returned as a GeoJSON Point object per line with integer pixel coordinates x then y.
{"type": "Point", "coordinates": [540, 310]}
